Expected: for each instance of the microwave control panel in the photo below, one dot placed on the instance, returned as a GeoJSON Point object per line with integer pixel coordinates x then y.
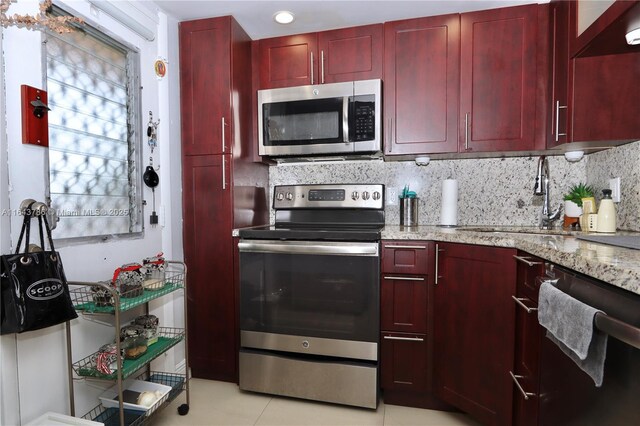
{"type": "Point", "coordinates": [363, 112]}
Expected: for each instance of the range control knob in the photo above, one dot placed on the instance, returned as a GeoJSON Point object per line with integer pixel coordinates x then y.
{"type": "Point", "coordinates": [365, 195]}
{"type": "Point", "coordinates": [280, 196]}
{"type": "Point", "coordinates": [355, 195]}
{"type": "Point", "coordinates": [289, 196]}
{"type": "Point", "coordinates": [376, 195]}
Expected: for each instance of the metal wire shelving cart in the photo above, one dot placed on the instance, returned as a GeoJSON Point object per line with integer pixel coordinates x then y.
{"type": "Point", "coordinates": [93, 299]}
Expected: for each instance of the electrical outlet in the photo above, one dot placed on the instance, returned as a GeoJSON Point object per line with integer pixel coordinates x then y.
{"type": "Point", "coordinates": [614, 185]}
{"type": "Point", "coordinates": [392, 196]}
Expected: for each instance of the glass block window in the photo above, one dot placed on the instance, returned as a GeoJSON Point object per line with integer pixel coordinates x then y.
{"type": "Point", "coordinates": [93, 134]}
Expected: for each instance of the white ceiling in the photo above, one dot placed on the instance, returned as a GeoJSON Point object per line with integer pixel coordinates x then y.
{"type": "Point", "coordinates": [256, 17]}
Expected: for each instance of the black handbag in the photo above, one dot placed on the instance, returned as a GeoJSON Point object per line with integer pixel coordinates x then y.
{"type": "Point", "coordinates": [35, 293]}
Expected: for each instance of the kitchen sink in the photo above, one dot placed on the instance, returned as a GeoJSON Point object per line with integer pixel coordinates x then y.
{"type": "Point", "coordinates": [520, 230]}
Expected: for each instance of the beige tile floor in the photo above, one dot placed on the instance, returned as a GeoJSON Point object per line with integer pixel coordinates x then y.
{"type": "Point", "coordinates": [219, 403]}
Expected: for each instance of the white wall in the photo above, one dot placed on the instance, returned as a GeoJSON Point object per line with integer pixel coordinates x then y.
{"type": "Point", "coordinates": [41, 356]}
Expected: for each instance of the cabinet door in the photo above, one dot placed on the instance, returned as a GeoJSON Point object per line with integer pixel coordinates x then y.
{"type": "Point", "coordinates": [350, 54]}
{"type": "Point", "coordinates": [605, 96]}
{"type": "Point", "coordinates": [288, 61]}
{"type": "Point", "coordinates": [474, 330]}
{"type": "Point", "coordinates": [421, 85]}
{"type": "Point", "coordinates": [404, 362]}
{"type": "Point", "coordinates": [403, 303]}
{"type": "Point", "coordinates": [208, 251]}
{"type": "Point", "coordinates": [205, 72]}
{"type": "Point", "coordinates": [498, 83]}
{"type": "Point", "coordinates": [559, 119]}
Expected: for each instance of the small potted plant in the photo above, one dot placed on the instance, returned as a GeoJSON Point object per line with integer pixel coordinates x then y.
{"type": "Point", "coordinates": [573, 200]}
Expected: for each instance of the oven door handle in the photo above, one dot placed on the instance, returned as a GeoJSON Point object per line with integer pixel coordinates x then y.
{"type": "Point", "coordinates": [309, 247]}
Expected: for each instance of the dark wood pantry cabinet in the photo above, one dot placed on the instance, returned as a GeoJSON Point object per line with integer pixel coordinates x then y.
{"type": "Point", "coordinates": [474, 330]}
{"type": "Point", "coordinates": [222, 187]}
{"type": "Point", "coordinates": [326, 57]}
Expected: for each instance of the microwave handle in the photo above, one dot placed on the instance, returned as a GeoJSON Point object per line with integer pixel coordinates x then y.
{"type": "Point", "coordinates": [311, 67]}
{"type": "Point", "coordinates": [322, 66]}
{"type": "Point", "coordinates": [346, 115]}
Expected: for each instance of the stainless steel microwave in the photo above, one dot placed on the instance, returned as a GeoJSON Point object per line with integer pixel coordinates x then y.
{"type": "Point", "coordinates": [320, 119]}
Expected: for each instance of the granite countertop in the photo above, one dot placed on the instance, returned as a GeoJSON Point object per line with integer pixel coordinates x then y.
{"type": "Point", "coordinates": [614, 265]}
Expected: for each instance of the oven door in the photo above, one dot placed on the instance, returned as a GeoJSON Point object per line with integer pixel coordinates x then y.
{"type": "Point", "coordinates": [323, 290]}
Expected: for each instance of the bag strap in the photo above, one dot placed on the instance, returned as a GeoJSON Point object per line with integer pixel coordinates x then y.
{"type": "Point", "coordinates": [48, 228]}
{"type": "Point", "coordinates": [26, 229]}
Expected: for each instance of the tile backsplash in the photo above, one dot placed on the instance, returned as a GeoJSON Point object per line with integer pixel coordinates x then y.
{"type": "Point", "coordinates": [494, 191]}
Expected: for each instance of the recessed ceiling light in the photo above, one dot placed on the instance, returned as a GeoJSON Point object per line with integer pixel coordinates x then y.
{"type": "Point", "coordinates": [283, 17]}
{"type": "Point", "coordinates": [633, 36]}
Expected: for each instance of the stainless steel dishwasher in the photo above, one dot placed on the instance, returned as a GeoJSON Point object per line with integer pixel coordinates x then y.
{"type": "Point", "coordinates": [567, 395]}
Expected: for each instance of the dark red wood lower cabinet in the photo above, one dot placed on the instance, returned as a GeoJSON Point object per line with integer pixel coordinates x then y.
{"type": "Point", "coordinates": [404, 362]}
{"type": "Point", "coordinates": [474, 330]}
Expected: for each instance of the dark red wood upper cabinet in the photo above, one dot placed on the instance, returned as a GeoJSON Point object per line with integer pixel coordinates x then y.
{"type": "Point", "coordinates": [350, 54]}
{"type": "Point", "coordinates": [288, 61]}
{"type": "Point", "coordinates": [605, 34]}
{"type": "Point", "coordinates": [421, 85]}
{"type": "Point", "coordinates": [209, 255]}
{"type": "Point", "coordinates": [474, 330]}
{"type": "Point", "coordinates": [594, 98]}
{"type": "Point", "coordinates": [498, 80]}
{"type": "Point", "coordinates": [205, 71]}
{"type": "Point", "coordinates": [559, 25]}
{"type": "Point", "coordinates": [316, 58]}
{"type": "Point", "coordinates": [605, 98]}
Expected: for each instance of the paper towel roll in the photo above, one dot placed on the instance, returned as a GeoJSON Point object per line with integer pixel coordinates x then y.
{"type": "Point", "coordinates": [449, 208]}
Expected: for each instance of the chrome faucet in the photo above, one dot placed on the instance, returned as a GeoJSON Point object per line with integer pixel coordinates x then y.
{"type": "Point", "coordinates": [542, 188]}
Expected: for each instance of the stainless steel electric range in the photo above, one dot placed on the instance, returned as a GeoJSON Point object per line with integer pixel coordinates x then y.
{"type": "Point", "coordinates": [309, 295]}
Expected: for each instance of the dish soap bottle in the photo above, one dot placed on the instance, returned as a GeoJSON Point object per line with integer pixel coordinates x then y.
{"type": "Point", "coordinates": [606, 213]}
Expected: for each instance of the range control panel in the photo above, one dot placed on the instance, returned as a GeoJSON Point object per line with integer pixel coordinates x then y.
{"type": "Point", "coordinates": [342, 196]}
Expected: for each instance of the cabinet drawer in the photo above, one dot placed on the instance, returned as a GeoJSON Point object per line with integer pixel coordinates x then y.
{"type": "Point", "coordinates": [403, 303]}
{"type": "Point", "coordinates": [528, 268]}
{"type": "Point", "coordinates": [404, 362]}
{"type": "Point", "coordinates": [406, 257]}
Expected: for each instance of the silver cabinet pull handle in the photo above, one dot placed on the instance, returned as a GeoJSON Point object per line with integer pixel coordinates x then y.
{"type": "Point", "coordinates": [466, 131]}
{"type": "Point", "coordinates": [437, 261]}
{"type": "Point", "coordinates": [410, 339]}
{"type": "Point", "coordinates": [527, 261]}
{"type": "Point", "coordinates": [224, 175]}
{"type": "Point", "coordinates": [520, 300]}
{"type": "Point", "coordinates": [407, 247]}
{"type": "Point", "coordinates": [404, 278]}
{"type": "Point", "coordinates": [525, 395]}
{"type": "Point", "coordinates": [223, 141]}
{"type": "Point", "coordinates": [322, 66]}
{"type": "Point", "coordinates": [311, 67]}
{"type": "Point", "coordinates": [558, 108]}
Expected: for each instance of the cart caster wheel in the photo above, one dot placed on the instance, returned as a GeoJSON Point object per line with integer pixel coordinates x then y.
{"type": "Point", "coordinates": [183, 409]}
